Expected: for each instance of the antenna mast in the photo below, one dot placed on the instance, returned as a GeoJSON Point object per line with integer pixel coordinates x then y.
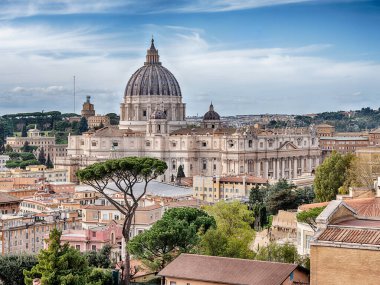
{"type": "Point", "coordinates": [74, 94]}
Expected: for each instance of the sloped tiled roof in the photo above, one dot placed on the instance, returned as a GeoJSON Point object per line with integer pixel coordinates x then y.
{"type": "Point", "coordinates": [239, 179]}
{"type": "Point", "coordinates": [217, 269]}
{"type": "Point", "coordinates": [365, 207]}
{"type": "Point", "coordinates": [361, 236]}
{"type": "Point", "coordinates": [5, 198]}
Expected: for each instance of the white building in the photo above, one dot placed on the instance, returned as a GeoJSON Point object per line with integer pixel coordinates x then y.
{"type": "Point", "coordinates": [152, 123]}
{"type": "Point", "coordinates": [3, 160]}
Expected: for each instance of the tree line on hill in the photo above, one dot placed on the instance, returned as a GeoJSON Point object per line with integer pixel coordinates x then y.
{"type": "Point", "coordinates": [27, 157]}
{"type": "Point", "coordinates": [54, 122]}
{"type": "Point", "coordinates": [353, 121]}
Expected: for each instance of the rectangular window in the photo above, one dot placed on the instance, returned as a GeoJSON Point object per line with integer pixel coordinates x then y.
{"type": "Point", "coordinates": [93, 247]}
{"type": "Point", "coordinates": [250, 143]}
{"type": "Point", "coordinates": [77, 247]}
{"type": "Point", "coordinates": [144, 113]}
{"type": "Point", "coordinates": [308, 238]}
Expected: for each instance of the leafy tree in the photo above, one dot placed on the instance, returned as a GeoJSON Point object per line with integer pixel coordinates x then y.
{"type": "Point", "coordinates": [41, 156]}
{"type": "Point", "coordinates": [310, 216]}
{"type": "Point", "coordinates": [26, 163]}
{"type": "Point", "coordinates": [286, 253]}
{"type": "Point", "coordinates": [114, 118]}
{"type": "Point", "coordinates": [58, 264]}
{"type": "Point", "coordinates": [284, 199]}
{"type": "Point", "coordinates": [27, 147]}
{"type": "Point", "coordinates": [180, 174]}
{"type": "Point", "coordinates": [24, 133]}
{"type": "Point", "coordinates": [26, 156]}
{"type": "Point", "coordinates": [100, 258]}
{"type": "Point", "coordinates": [233, 233]}
{"type": "Point", "coordinates": [83, 125]}
{"type": "Point", "coordinates": [8, 148]}
{"type": "Point", "coordinates": [12, 266]}
{"type": "Point", "coordinates": [177, 232]}
{"type": "Point", "coordinates": [257, 205]}
{"type": "Point", "coordinates": [99, 276]}
{"type": "Point", "coordinates": [304, 195]}
{"type": "Point", "coordinates": [49, 163]}
{"type": "Point", "coordinates": [331, 175]}
{"type": "Point", "coordinates": [125, 173]}
{"type": "Point", "coordinates": [360, 173]}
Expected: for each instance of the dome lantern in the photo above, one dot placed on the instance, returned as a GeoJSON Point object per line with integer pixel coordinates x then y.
{"type": "Point", "coordinates": [152, 56]}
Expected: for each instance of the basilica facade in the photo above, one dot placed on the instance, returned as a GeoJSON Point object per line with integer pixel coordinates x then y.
{"type": "Point", "coordinates": [153, 123]}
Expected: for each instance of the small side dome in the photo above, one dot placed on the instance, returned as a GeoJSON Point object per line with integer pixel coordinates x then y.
{"type": "Point", "coordinates": [211, 115]}
{"type": "Point", "coordinates": [158, 115]}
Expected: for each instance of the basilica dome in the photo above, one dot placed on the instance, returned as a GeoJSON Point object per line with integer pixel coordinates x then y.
{"type": "Point", "coordinates": [152, 78]}
{"type": "Point", "coordinates": [211, 115]}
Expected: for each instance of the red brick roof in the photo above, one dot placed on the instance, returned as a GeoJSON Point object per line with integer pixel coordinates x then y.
{"type": "Point", "coordinates": [351, 235]}
{"type": "Point", "coordinates": [227, 270]}
{"type": "Point", "coordinates": [239, 179]}
{"type": "Point", "coordinates": [306, 207]}
{"type": "Point", "coordinates": [366, 207]}
{"type": "Point", "coordinates": [5, 198]}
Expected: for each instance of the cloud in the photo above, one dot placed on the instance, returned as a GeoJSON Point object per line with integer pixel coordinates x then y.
{"type": "Point", "coordinates": [38, 65]}
{"type": "Point", "coordinates": [12, 9]}
{"type": "Point", "coordinates": [227, 5]}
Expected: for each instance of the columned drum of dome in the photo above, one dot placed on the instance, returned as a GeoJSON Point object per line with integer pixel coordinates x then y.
{"type": "Point", "coordinates": [150, 87]}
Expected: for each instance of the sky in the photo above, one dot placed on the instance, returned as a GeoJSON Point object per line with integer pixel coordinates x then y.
{"type": "Point", "coordinates": [246, 56]}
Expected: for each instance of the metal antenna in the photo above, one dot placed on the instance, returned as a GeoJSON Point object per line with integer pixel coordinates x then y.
{"type": "Point", "coordinates": [74, 94]}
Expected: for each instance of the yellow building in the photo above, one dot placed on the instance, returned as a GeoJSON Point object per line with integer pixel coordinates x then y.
{"type": "Point", "coordinates": [346, 247]}
{"type": "Point", "coordinates": [370, 156]}
{"type": "Point", "coordinates": [213, 189]}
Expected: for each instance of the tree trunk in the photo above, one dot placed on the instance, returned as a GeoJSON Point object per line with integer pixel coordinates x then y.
{"type": "Point", "coordinates": [127, 264]}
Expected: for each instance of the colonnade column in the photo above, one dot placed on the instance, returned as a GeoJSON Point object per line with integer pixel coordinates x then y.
{"type": "Point", "coordinates": [258, 169]}
{"type": "Point", "coordinates": [282, 168]}
{"type": "Point", "coordinates": [265, 174]}
{"type": "Point", "coordinates": [295, 171]}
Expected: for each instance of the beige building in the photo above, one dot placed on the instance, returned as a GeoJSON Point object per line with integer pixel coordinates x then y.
{"type": "Point", "coordinates": [346, 246]}
{"type": "Point", "coordinates": [325, 130]}
{"type": "Point", "coordinates": [152, 123]}
{"type": "Point", "coordinates": [93, 121]}
{"type": "Point", "coordinates": [97, 121]}
{"type": "Point", "coordinates": [25, 234]}
{"type": "Point", "coordinates": [145, 217]}
{"type": "Point", "coordinates": [213, 189]}
{"type": "Point", "coordinates": [38, 173]}
{"type": "Point", "coordinates": [36, 138]}
{"type": "Point", "coordinates": [214, 270]}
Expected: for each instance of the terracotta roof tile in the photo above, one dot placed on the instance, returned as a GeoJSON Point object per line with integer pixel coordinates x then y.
{"type": "Point", "coordinates": [351, 235]}
{"type": "Point", "coordinates": [306, 207]}
{"type": "Point", "coordinates": [5, 198]}
{"type": "Point", "coordinates": [239, 179]}
{"type": "Point", "coordinates": [365, 207]}
{"type": "Point", "coordinates": [228, 270]}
